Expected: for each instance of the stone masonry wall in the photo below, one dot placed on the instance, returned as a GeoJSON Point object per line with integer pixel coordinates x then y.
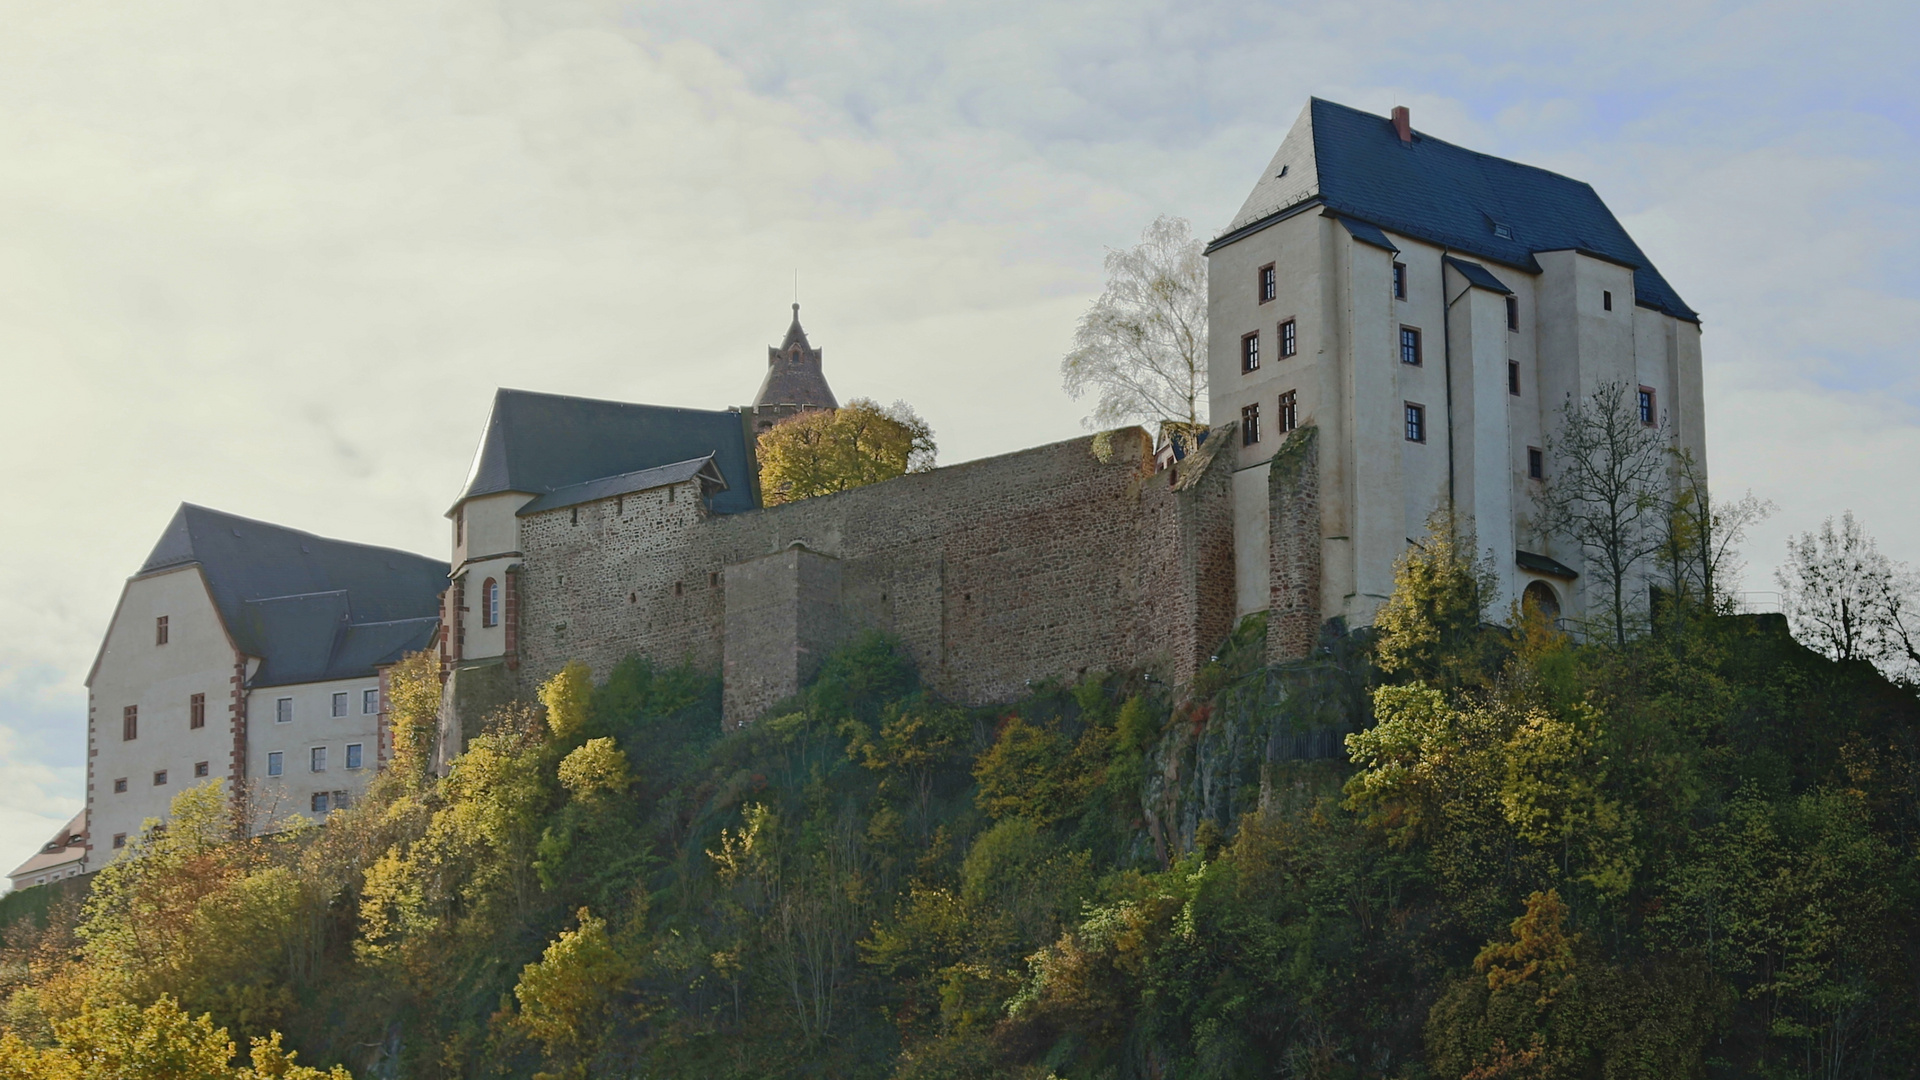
{"type": "Point", "coordinates": [994, 574]}
{"type": "Point", "coordinates": [1293, 539]}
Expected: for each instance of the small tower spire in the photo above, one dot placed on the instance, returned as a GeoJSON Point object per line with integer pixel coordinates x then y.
{"type": "Point", "coordinates": [794, 377]}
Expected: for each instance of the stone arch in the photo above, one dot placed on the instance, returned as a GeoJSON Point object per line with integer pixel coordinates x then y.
{"type": "Point", "coordinates": [1539, 594]}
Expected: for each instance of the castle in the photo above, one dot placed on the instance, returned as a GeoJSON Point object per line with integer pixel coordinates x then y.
{"type": "Point", "coordinates": [1393, 321]}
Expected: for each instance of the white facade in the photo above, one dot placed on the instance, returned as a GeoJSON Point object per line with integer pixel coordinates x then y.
{"type": "Point", "coordinates": [311, 747]}
{"type": "Point", "coordinates": [1575, 326]}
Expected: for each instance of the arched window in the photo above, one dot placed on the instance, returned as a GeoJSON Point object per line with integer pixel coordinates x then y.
{"type": "Point", "coordinates": [1540, 595]}
{"type": "Point", "coordinates": [490, 603]}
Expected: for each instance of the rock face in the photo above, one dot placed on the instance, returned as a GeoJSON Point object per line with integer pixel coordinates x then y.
{"type": "Point", "coordinates": [1242, 728]}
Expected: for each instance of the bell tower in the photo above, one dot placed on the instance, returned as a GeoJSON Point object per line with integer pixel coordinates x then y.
{"type": "Point", "coordinates": [794, 382]}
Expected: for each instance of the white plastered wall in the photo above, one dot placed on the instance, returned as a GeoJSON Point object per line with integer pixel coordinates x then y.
{"type": "Point", "coordinates": [313, 724]}
{"type": "Point", "coordinates": [486, 544]}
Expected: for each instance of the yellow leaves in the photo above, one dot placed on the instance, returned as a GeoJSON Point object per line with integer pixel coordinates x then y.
{"type": "Point", "coordinates": [1540, 958]}
{"type": "Point", "coordinates": [567, 697]}
{"type": "Point", "coordinates": [1035, 773]}
{"type": "Point", "coordinates": [413, 714]}
{"type": "Point", "coordinates": [744, 851]}
{"type": "Point", "coordinates": [565, 997]}
{"type": "Point", "coordinates": [596, 767]}
{"type": "Point", "coordinates": [160, 1042]}
{"type": "Point", "coordinates": [819, 453]}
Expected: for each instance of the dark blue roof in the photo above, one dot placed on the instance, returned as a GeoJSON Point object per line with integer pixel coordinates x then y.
{"type": "Point", "coordinates": [537, 443]}
{"type": "Point", "coordinates": [1478, 276]}
{"type": "Point", "coordinates": [311, 608]}
{"type": "Point", "coordinates": [1354, 163]}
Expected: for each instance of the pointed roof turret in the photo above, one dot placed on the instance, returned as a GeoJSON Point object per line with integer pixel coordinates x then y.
{"type": "Point", "coordinates": [794, 376]}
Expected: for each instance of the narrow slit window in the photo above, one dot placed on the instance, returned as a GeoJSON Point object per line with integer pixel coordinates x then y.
{"type": "Point", "coordinates": [197, 711]}
{"type": "Point", "coordinates": [1606, 300]}
{"type": "Point", "coordinates": [1536, 464]}
{"type": "Point", "coordinates": [130, 723]}
{"type": "Point", "coordinates": [1513, 377]}
{"type": "Point", "coordinates": [1648, 412]}
{"type": "Point", "coordinates": [160, 630]}
{"type": "Point", "coordinates": [1399, 281]}
{"type": "Point", "coordinates": [490, 603]}
{"type": "Point", "coordinates": [1513, 313]}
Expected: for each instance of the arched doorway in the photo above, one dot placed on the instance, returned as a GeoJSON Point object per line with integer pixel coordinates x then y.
{"type": "Point", "coordinates": [1540, 595]}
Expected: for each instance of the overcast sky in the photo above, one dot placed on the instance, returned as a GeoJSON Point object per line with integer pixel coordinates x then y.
{"type": "Point", "coordinates": [273, 258]}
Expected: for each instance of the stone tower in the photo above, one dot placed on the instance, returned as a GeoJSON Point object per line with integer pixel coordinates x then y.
{"type": "Point", "coordinates": [794, 382]}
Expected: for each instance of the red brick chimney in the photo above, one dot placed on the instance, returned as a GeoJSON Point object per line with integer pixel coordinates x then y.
{"type": "Point", "coordinates": [1403, 123]}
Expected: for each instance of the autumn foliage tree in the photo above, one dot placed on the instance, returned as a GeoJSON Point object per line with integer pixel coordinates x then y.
{"type": "Point", "coordinates": [824, 451]}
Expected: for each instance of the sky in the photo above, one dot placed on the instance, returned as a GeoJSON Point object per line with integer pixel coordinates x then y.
{"type": "Point", "coordinates": [274, 258]}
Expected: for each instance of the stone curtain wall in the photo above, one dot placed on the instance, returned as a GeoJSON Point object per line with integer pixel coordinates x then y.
{"type": "Point", "coordinates": [1293, 539]}
{"type": "Point", "coordinates": [625, 575]}
{"type": "Point", "coordinates": [996, 573]}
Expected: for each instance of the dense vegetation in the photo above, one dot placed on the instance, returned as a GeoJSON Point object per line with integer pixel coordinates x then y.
{"type": "Point", "coordinates": [1689, 855]}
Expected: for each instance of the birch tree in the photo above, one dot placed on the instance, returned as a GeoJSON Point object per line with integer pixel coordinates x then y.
{"type": "Point", "coordinates": [1141, 349]}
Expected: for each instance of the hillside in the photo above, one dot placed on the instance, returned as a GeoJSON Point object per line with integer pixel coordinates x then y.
{"type": "Point", "coordinates": [1692, 856]}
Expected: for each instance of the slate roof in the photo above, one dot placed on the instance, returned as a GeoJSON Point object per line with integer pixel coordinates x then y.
{"type": "Point", "coordinates": [627, 483]}
{"type": "Point", "coordinates": [1478, 276]}
{"type": "Point", "coordinates": [794, 373]}
{"type": "Point", "coordinates": [538, 443]}
{"type": "Point", "coordinates": [1354, 163]}
{"type": "Point", "coordinates": [311, 608]}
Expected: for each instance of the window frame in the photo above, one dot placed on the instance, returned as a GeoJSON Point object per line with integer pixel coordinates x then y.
{"type": "Point", "coordinates": [276, 763]}
{"type": "Point", "coordinates": [196, 711]}
{"type": "Point", "coordinates": [316, 759]}
{"type": "Point", "coordinates": [1513, 313]}
{"type": "Point", "coordinates": [1647, 405]}
{"type": "Point", "coordinates": [119, 840]}
{"type": "Point", "coordinates": [356, 756]}
{"type": "Point", "coordinates": [1416, 422]}
{"type": "Point", "coordinates": [1399, 281]}
{"type": "Point", "coordinates": [1250, 352]}
{"type": "Point", "coordinates": [1513, 377]}
{"type": "Point", "coordinates": [283, 710]}
{"type": "Point", "coordinates": [1419, 347]}
{"type": "Point", "coordinates": [129, 723]}
{"type": "Point", "coordinates": [1536, 463]}
{"type": "Point", "coordinates": [490, 603]}
{"type": "Point", "coordinates": [1289, 412]}
{"type": "Point", "coordinates": [337, 704]}
{"type": "Point", "coordinates": [159, 778]}
{"type": "Point", "coordinates": [1289, 334]}
{"type": "Point", "coordinates": [370, 697]}
{"type": "Point", "coordinates": [1266, 284]}
{"type": "Point", "coordinates": [160, 630]}
{"type": "Point", "coordinates": [202, 769]}
{"type": "Point", "coordinates": [317, 802]}
{"type": "Point", "coordinates": [119, 785]}
{"type": "Point", "coordinates": [1250, 424]}
{"type": "Point", "coordinates": [1606, 299]}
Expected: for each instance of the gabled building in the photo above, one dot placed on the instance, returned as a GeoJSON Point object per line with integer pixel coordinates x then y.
{"type": "Point", "coordinates": [249, 653]}
{"type": "Point", "coordinates": [62, 857]}
{"type": "Point", "coordinates": [1419, 311]}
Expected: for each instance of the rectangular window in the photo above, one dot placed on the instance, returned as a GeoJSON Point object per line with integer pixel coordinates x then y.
{"type": "Point", "coordinates": [1606, 300]}
{"type": "Point", "coordinates": [1289, 342]}
{"type": "Point", "coordinates": [353, 755]}
{"type": "Point", "coordinates": [276, 763]}
{"type": "Point", "coordinates": [1536, 464]}
{"type": "Point", "coordinates": [200, 769]}
{"type": "Point", "coordinates": [319, 802]}
{"type": "Point", "coordinates": [1399, 281]}
{"type": "Point", "coordinates": [120, 786]}
{"type": "Point", "coordinates": [1249, 425]}
{"type": "Point", "coordinates": [1647, 414]}
{"type": "Point", "coordinates": [283, 710]}
{"type": "Point", "coordinates": [130, 723]}
{"type": "Point", "coordinates": [119, 840]}
{"type": "Point", "coordinates": [1513, 377]}
{"type": "Point", "coordinates": [317, 759]}
{"type": "Point", "coordinates": [1409, 346]}
{"type": "Point", "coordinates": [160, 778]}
{"type": "Point", "coordinates": [1289, 412]}
{"type": "Point", "coordinates": [1269, 283]}
{"type": "Point", "coordinates": [1250, 353]}
{"type": "Point", "coordinates": [340, 703]}
{"type": "Point", "coordinates": [197, 711]}
{"type": "Point", "coordinates": [1513, 313]}
{"type": "Point", "coordinates": [370, 701]}
{"type": "Point", "coordinates": [160, 630]}
{"type": "Point", "coordinates": [339, 800]}
{"type": "Point", "coordinates": [1416, 422]}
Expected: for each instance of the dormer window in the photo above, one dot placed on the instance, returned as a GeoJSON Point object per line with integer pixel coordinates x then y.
{"type": "Point", "coordinates": [1502, 231]}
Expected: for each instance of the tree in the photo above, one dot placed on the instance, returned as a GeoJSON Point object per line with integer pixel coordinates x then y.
{"type": "Point", "coordinates": [1142, 346]}
{"type": "Point", "coordinates": [1847, 600]}
{"type": "Point", "coordinates": [566, 998]}
{"type": "Point", "coordinates": [1430, 627]}
{"type": "Point", "coordinates": [821, 452]}
{"type": "Point", "coordinates": [1701, 552]}
{"type": "Point", "coordinates": [1605, 493]}
{"type": "Point", "coordinates": [159, 1042]}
